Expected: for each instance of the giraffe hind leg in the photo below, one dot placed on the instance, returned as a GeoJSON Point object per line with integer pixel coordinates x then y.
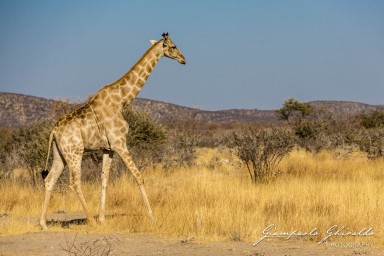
{"type": "Point", "coordinates": [50, 181]}
{"type": "Point", "coordinates": [75, 171]}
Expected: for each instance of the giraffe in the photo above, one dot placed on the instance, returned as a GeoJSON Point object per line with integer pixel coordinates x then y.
{"type": "Point", "coordinates": [100, 125]}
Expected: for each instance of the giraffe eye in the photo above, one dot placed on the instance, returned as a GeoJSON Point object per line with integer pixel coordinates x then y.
{"type": "Point", "coordinates": [173, 47]}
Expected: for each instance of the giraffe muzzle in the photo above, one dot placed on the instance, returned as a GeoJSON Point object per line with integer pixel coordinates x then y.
{"type": "Point", "coordinates": [182, 60]}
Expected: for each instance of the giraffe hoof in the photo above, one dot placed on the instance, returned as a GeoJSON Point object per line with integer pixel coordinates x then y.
{"type": "Point", "coordinates": [101, 219]}
{"type": "Point", "coordinates": [92, 222]}
{"type": "Point", "coordinates": [43, 225]}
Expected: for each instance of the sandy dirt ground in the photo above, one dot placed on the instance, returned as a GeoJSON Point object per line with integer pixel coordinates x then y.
{"type": "Point", "coordinates": [57, 243]}
{"type": "Point", "coordinates": [71, 243]}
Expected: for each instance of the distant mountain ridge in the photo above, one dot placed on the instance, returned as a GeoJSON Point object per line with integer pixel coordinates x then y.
{"type": "Point", "coordinates": [18, 110]}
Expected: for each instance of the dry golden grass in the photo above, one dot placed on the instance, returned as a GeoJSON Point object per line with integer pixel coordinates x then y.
{"type": "Point", "coordinates": [216, 200]}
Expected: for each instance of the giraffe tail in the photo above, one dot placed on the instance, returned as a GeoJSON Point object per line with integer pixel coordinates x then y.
{"type": "Point", "coordinates": [44, 173]}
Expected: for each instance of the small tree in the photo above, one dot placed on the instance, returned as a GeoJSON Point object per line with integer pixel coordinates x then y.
{"type": "Point", "coordinates": [261, 151]}
{"type": "Point", "coordinates": [293, 109]}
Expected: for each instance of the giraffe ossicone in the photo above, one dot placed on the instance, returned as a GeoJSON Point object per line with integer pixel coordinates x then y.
{"type": "Point", "coordinates": [100, 125]}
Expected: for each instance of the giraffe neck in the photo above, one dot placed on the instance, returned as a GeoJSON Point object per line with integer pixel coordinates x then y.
{"type": "Point", "coordinates": [133, 81]}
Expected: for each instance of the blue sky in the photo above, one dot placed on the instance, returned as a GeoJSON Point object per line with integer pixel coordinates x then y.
{"type": "Point", "coordinates": [240, 54]}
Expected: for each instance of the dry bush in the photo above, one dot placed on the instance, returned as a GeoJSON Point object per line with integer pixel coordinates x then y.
{"type": "Point", "coordinates": [184, 136]}
{"type": "Point", "coordinates": [371, 142]}
{"type": "Point", "coordinates": [375, 119]}
{"type": "Point", "coordinates": [371, 139]}
{"type": "Point", "coordinates": [261, 151]}
{"type": "Point", "coordinates": [325, 133]}
{"type": "Point", "coordinates": [89, 248]}
{"type": "Point", "coordinates": [181, 149]}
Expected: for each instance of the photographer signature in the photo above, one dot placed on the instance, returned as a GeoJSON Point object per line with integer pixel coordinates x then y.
{"type": "Point", "coordinates": [342, 231]}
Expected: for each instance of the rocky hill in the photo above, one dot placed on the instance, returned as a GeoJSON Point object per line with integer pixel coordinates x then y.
{"type": "Point", "coordinates": [17, 110]}
{"type": "Point", "coordinates": [345, 108]}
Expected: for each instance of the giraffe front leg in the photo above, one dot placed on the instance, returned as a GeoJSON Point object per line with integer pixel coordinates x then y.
{"type": "Point", "coordinates": [107, 161]}
{"type": "Point", "coordinates": [127, 159]}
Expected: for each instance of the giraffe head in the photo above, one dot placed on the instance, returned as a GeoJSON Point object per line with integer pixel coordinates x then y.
{"type": "Point", "coordinates": [170, 50]}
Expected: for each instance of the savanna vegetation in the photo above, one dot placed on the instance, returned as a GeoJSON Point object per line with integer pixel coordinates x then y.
{"type": "Point", "coordinates": [217, 182]}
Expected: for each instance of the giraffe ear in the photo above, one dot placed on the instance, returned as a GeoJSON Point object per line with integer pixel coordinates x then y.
{"type": "Point", "coordinates": [153, 41]}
